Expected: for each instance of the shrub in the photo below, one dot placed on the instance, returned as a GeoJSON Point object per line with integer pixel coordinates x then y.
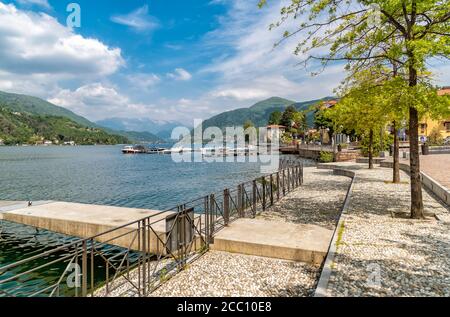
{"type": "Point", "coordinates": [326, 157]}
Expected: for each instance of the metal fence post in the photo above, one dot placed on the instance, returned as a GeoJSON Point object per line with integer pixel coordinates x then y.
{"type": "Point", "coordinates": [212, 208]}
{"type": "Point", "coordinates": [278, 185]}
{"type": "Point", "coordinates": [284, 183]}
{"type": "Point", "coordinates": [271, 189]}
{"type": "Point", "coordinates": [254, 193]}
{"type": "Point", "coordinates": [226, 206]}
{"type": "Point", "coordinates": [264, 193]}
{"type": "Point", "coordinates": [289, 180]}
{"type": "Point", "coordinates": [239, 201]}
{"type": "Point", "coordinates": [84, 280]}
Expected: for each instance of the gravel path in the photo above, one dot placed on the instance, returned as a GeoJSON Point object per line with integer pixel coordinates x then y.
{"type": "Point", "coordinates": [319, 201]}
{"type": "Point", "coordinates": [224, 274]}
{"type": "Point", "coordinates": [379, 255]}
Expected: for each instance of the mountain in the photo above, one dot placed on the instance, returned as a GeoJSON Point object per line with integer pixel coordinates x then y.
{"type": "Point", "coordinates": [161, 129]}
{"type": "Point", "coordinates": [37, 106]}
{"type": "Point", "coordinates": [138, 137]}
{"type": "Point", "coordinates": [26, 128]}
{"type": "Point", "coordinates": [259, 113]}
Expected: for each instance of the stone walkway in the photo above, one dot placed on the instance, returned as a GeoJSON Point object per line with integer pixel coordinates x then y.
{"type": "Point", "coordinates": [378, 255]}
{"type": "Point", "coordinates": [438, 167]}
{"type": "Point", "coordinates": [318, 201]}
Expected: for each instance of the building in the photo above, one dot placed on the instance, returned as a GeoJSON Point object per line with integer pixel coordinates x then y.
{"type": "Point", "coordinates": [274, 132]}
{"type": "Point", "coordinates": [427, 125]}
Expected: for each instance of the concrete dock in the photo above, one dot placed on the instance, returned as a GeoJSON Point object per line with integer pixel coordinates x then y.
{"type": "Point", "coordinates": [275, 239]}
{"type": "Point", "coordinates": [85, 221]}
{"type": "Point", "coordinates": [267, 238]}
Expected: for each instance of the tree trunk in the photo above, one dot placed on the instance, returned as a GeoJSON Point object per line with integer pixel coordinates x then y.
{"type": "Point", "coordinates": [416, 183]}
{"type": "Point", "coordinates": [371, 149]}
{"type": "Point", "coordinates": [396, 155]}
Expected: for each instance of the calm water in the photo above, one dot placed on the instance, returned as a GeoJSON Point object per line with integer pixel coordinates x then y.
{"type": "Point", "coordinates": [98, 175]}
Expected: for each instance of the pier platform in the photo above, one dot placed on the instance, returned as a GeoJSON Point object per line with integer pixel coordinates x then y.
{"type": "Point", "coordinates": [85, 221]}
{"type": "Point", "coordinates": [275, 239]}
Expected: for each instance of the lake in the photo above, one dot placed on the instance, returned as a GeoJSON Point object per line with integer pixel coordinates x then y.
{"type": "Point", "coordinates": [98, 175]}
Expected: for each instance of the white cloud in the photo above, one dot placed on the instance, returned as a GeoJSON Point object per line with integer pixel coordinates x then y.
{"type": "Point", "coordinates": [180, 74]}
{"type": "Point", "coordinates": [35, 46]}
{"type": "Point", "coordinates": [138, 20]}
{"type": "Point", "coordinates": [94, 101]}
{"type": "Point", "coordinates": [40, 3]}
{"type": "Point", "coordinates": [143, 81]}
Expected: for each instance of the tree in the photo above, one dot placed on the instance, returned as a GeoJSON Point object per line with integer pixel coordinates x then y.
{"type": "Point", "coordinates": [275, 118]}
{"type": "Point", "coordinates": [288, 117]}
{"type": "Point", "coordinates": [356, 33]}
{"type": "Point", "coordinates": [248, 124]}
{"type": "Point", "coordinates": [360, 110]}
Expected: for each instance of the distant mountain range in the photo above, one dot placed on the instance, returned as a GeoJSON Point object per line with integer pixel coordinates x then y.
{"type": "Point", "coordinates": [34, 108]}
{"type": "Point", "coordinates": [161, 129]}
{"type": "Point", "coordinates": [259, 113]}
{"type": "Point", "coordinates": [135, 130]}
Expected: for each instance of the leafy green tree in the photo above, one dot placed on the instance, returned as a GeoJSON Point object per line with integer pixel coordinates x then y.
{"type": "Point", "coordinates": [275, 118]}
{"type": "Point", "coordinates": [358, 110]}
{"type": "Point", "coordinates": [288, 117]}
{"type": "Point", "coordinates": [248, 124]}
{"type": "Point", "coordinates": [356, 32]}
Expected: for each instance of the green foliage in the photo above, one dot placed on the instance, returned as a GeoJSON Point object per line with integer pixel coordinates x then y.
{"type": "Point", "coordinates": [326, 157]}
{"type": "Point", "coordinates": [287, 118]}
{"type": "Point", "coordinates": [321, 120]}
{"type": "Point", "coordinates": [286, 138]}
{"type": "Point", "coordinates": [25, 128]}
{"type": "Point", "coordinates": [248, 124]}
{"type": "Point", "coordinates": [275, 117]}
{"type": "Point", "coordinates": [435, 137]}
{"type": "Point", "coordinates": [378, 146]}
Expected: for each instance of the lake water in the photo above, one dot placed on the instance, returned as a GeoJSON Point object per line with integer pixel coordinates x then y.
{"type": "Point", "coordinates": [98, 175]}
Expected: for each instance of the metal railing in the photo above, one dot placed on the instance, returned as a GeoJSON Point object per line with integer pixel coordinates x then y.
{"type": "Point", "coordinates": [136, 258]}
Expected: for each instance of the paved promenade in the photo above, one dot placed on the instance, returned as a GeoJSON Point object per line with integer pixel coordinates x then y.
{"type": "Point", "coordinates": [380, 251]}
{"type": "Point", "coordinates": [438, 167]}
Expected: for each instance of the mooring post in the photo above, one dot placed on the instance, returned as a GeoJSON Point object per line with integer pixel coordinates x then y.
{"type": "Point", "coordinates": [226, 206]}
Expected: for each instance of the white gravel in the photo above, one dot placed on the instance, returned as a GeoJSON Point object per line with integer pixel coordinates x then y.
{"type": "Point", "coordinates": [221, 274]}
{"type": "Point", "coordinates": [379, 255]}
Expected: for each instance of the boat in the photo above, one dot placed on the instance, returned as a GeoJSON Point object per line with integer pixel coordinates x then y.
{"type": "Point", "coordinates": [134, 149]}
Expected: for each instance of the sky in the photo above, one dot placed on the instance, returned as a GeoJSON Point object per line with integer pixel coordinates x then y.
{"type": "Point", "coordinates": [176, 60]}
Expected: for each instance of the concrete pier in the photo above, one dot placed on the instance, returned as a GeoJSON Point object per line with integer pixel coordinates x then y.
{"type": "Point", "coordinates": [274, 239]}
{"type": "Point", "coordinates": [85, 221]}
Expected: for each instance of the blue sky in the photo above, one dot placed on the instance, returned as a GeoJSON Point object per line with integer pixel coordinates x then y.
{"type": "Point", "coordinates": [158, 59]}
